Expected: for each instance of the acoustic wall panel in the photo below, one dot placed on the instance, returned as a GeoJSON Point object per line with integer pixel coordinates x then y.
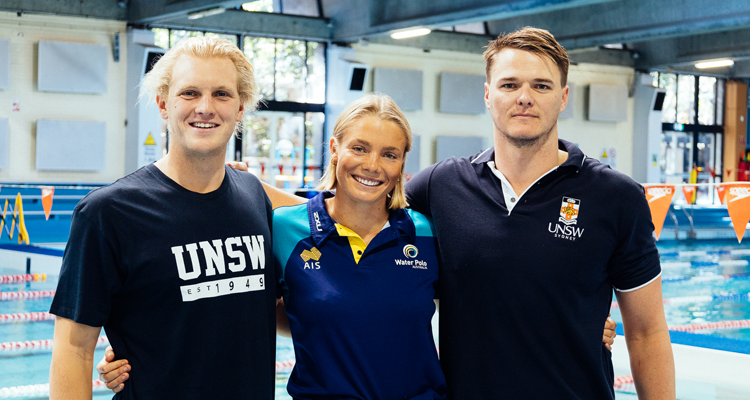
{"type": "Point", "coordinates": [458, 146]}
{"type": "Point", "coordinates": [412, 158]}
{"type": "Point", "coordinates": [70, 145]}
{"type": "Point", "coordinates": [4, 63]}
{"type": "Point", "coordinates": [72, 67]}
{"type": "Point", "coordinates": [570, 108]}
{"type": "Point", "coordinates": [4, 143]}
{"type": "Point", "coordinates": [608, 103]}
{"type": "Point", "coordinates": [403, 85]}
{"type": "Point", "coordinates": [462, 93]}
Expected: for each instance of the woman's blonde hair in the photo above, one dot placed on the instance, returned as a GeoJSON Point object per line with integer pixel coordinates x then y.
{"type": "Point", "coordinates": [372, 105]}
{"type": "Point", "coordinates": [157, 81]}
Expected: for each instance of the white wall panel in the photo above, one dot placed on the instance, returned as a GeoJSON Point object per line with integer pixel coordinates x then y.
{"type": "Point", "coordinates": [70, 145]}
{"type": "Point", "coordinates": [72, 67]}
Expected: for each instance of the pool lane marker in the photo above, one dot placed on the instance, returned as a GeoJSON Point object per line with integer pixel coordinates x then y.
{"type": "Point", "coordinates": [9, 279]}
{"type": "Point", "coordinates": [736, 324]}
{"type": "Point", "coordinates": [25, 317]}
{"type": "Point", "coordinates": [33, 345]}
{"type": "Point", "coordinates": [11, 296]}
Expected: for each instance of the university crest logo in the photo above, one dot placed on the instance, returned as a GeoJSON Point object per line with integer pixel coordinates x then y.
{"type": "Point", "coordinates": [569, 210]}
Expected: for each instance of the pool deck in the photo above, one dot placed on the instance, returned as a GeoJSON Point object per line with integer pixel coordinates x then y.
{"type": "Point", "coordinates": [701, 373]}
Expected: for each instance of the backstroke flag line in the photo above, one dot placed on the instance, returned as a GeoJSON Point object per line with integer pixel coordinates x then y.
{"type": "Point", "coordinates": [659, 198]}
{"type": "Point", "coordinates": [47, 193]}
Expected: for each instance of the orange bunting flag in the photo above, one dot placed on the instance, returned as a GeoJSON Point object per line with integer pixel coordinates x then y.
{"type": "Point", "coordinates": [659, 198]}
{"type": "Point", "coordinates": [720, 190]}
{"type": "Point", "coordinates": [47, 193]}
{"type": "Point", "coordinates": [738, 206]}
{"type": "Point", "coordinates": [689, 191]}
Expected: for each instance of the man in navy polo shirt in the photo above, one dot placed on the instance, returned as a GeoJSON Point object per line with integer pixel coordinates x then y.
{"type": "Point", "coordinates": [533, 238]}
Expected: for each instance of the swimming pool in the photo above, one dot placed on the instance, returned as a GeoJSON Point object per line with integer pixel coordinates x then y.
{"type": "Point", "coordinates": [704, 282]}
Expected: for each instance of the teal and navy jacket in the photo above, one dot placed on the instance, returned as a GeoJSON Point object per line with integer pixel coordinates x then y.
{"type": "Point", "coordinates": [359, 316]}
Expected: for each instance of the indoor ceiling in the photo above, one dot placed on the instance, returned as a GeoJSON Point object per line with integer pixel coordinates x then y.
{"type": "Point", "coordinates": [664, 35]}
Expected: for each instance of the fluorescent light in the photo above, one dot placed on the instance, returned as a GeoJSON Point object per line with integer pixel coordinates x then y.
{"type": "Point", "coordinates": [206, 13]}
{"type": "Point", "coordinates": [410, 33]}
{"type": "Point", "coordinates": [714, 64]}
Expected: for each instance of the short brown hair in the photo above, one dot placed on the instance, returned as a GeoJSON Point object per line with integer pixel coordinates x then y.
{"type": "Point", "coordinates": [384, 108]}
{"type": "Point", "coordinates": [533, 40]}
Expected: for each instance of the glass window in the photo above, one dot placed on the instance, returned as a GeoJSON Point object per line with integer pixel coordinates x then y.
{"type": "Point", "coordinates": [290, 70]}
{"type": "Point", "coordinates": [259, 6]}
{"type": "Point", "coordinates": [261, 52]}
{"type": "Point", "coordinates": [316, 73]}
{"type": "Point", "coordinates": [177, 35]}
{"type": "Point", "coordinates": [308, 8]}
{"type": "Point", "coordinates": [474, 27]}
{"type": "Point", "coordinates": [314, 147]}
{"type": "Point", "coordinates": [677, 148]}
{"type": "Point", "coordinates": [161, 37]}
{"type": "Point", "coordinates": [655, 77]}
{"type": "Point", "coordinates": [668, 82]}
{"type": "Point", "coordinates": [706, 100]}
{"type": "Point", "coordinates": [685, 99]}
{"type": "Point", "coordinates": [273, 146]}
{"type": "Point", "coordinates": [231, 38]}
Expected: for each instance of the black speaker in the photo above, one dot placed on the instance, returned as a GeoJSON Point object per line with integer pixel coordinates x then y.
{"type": "Point", "coordinates": [358, 79]}
{"type": "Point", "coordinates": [659, 101]}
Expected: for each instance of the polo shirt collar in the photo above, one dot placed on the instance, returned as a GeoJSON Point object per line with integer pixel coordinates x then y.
{"type": "Point", "coordinates": [575, 156]}
{"type": "Point", "coordinates": [322, 225]}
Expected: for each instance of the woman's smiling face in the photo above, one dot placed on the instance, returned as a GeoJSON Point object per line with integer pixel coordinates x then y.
{"type": "Point", "coordinates": [370, 158]}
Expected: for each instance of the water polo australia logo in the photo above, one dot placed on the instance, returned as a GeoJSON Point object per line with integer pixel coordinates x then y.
{"type": "Point", "coordinates": [410, 251]}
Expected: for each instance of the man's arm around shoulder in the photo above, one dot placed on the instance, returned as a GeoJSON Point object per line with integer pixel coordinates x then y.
{"type": "Point", "coordinates": [72, 360]}
{"type": "Point", "coordinates": [647, 338]}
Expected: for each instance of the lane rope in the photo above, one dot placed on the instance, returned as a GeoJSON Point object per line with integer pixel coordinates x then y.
{"type": "Point", "coordinates": [25, 317]}
{"type": "Point", "coordinates": [736, 324]}
{"type": "Point", "coordinates": [9, 279]}
{"type": "Point", "coordinates": [37, 346]}
{"type": "Point", "coordinates": [12, 296]}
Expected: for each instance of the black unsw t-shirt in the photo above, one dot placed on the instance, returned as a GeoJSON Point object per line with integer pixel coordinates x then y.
{"type": "Point", "coordinates": [182, 282]}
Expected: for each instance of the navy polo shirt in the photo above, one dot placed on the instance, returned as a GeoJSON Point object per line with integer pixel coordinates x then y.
{"type": "Point", "coordinates": [524, 295]}
{"type": "Point", "coordinates": [360, 322]}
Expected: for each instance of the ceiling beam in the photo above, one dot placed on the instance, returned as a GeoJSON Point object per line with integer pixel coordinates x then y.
{"type": "Point", "coordinates": [682, 53]}
{"type": "Point", "coordinates": [256, 24]}
{"type": "Point", "coordinates": [633, 21]}
{"type": "Point", "coordinates": [438, 40]}
{"type": "Point", "coordinates": [362, 18]}
{"type": "Point", "coordinates": [109, 9]}
{"type": "Point", "coordinates": [152, 11]}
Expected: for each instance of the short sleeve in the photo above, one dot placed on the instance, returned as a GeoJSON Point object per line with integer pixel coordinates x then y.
{"type": "Point", "coordinates": [417, 191]}
{"type": "Point", "coordinates": [635, 261]}
{"type": "Point", "coordinates": [89, 275]}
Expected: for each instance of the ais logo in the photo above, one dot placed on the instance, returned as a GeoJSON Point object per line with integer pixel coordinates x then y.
{"type": "Point", "coordinates": [312, 254]}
